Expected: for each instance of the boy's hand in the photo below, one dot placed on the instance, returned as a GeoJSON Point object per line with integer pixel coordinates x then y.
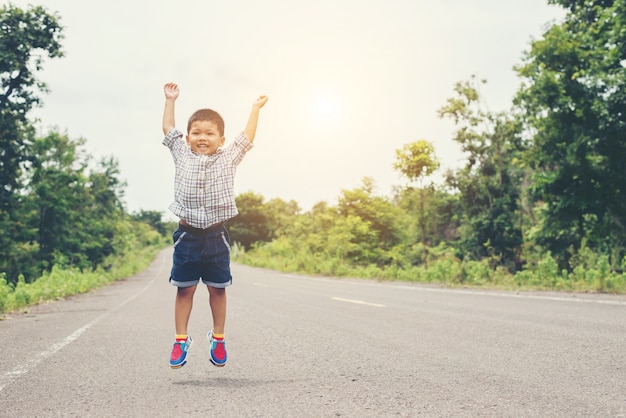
{"type": "Point", "coordinates": [260, 102]}
{"type": "Point", "coordinates": [171, 91]}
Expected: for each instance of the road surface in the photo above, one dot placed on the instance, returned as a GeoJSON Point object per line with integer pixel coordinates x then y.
{"type": "Point", "coordinates": [316, 347]}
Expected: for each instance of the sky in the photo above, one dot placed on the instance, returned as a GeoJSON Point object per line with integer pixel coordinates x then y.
{"type": "Point", "coordinates": [349, 83]}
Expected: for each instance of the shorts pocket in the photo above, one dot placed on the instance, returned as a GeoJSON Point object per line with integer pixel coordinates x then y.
{"type": "Point", "coordinates": [178, 236]}
{"type": "Point", "coordinates": [226, 239]}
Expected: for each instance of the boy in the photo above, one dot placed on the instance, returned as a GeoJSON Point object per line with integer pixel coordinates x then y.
{"type": "Point", "coordinates": [203, 200]}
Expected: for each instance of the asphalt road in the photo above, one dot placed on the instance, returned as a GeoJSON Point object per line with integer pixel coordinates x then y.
{"type": "Point", "coordinates": [313, 347]}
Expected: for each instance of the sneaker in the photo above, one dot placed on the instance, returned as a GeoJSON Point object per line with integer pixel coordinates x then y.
{"type": "Point", "coordinates": [179, 353]}
{"type": "Point", "coordinates": [218, 350]}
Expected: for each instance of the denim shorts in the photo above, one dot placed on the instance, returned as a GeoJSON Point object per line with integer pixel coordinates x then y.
{"type": "Point", "coordinates": [201, 254]}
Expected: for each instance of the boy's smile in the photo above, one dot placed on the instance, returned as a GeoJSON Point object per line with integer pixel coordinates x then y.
{"type": "Point", "coordinates": [204, 137]}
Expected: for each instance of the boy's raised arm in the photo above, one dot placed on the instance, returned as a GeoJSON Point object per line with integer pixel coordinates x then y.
{"type": "Point", "coordinates": [253, 120]}
{"type": "Point", "coordinates": [171, 94]}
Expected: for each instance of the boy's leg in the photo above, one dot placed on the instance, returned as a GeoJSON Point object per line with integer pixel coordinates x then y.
{"type": "Point", "coordinates": [216, 275]}
{"type": "Point", "coordinates": [182, 312]}
{"type": "Point", "coordinates": [185, 276]}
{"type": "Point", "coordinates": [217, 299]}
{"type": "Point", "coordinates": [182, 308]}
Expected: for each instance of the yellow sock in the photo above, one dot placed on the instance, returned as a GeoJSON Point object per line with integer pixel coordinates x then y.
{"type": "Point", "coordinates": [181, 337]}
{"type": "Point", "coordinates": [218, 336]}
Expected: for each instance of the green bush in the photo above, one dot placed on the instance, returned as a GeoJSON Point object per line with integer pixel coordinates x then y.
{"type": "Point", "coordinates": [5, 290]}
{"type": "Point", "coordinates": [61, 281]}
{"type": "Point", "coordinates": [591, 272]}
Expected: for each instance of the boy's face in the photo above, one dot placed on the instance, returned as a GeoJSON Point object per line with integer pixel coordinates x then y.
{"type": "Point", "coordinates": [204, 137]}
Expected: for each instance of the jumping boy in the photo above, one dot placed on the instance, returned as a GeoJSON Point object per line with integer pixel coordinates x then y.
{"type": "Point", "coordinates": [204, 199]}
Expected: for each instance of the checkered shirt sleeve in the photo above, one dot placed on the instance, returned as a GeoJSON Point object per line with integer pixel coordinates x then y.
{"type": "Point", "coordinates": [204, 185]}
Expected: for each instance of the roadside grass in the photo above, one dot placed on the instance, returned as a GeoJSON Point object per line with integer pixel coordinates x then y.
{"type": "Point", "coordinates": [592, 275]}
{"type": "Point", "coordinates": [61, 282]}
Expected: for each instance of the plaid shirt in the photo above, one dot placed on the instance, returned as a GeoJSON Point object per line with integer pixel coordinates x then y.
{"type": "Point", "coordinates": [204, 186]}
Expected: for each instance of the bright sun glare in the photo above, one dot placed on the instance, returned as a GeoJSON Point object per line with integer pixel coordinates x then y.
{"type": "Point", "coordinates": [325, 107]}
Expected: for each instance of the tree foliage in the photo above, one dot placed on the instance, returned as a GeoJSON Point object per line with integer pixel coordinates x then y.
{"type": "Point", "coordinates": [154, 218]}
{"type": "Point", "coordinates": [252, 225]}
{"type": "Point", "coordinates": [27, 37]}
{"type": "Point", "coordinates": [57, 205]}
{"type": "Point", "coordinates": [71, 207]}
{"type": "Point", "coordinates": [416, 161]}
{"type": "Point", "coordinates": [490, 183]}
{"type": "Point", "coordinates": [376, 211]}
{"type": "Point", "coordinates": [259, 221]}
{"type": "Point", "coordinates": [574, 103]}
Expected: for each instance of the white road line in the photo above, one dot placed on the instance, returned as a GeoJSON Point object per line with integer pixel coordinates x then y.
{"type": "Point", "coordinates": [7, 378]}
{"type": "Point", "coordinates": [359, 302]}
{"type": "Point", "coordinates": [568, 297]}
{"type": "Point", "coordinates": [522, 295]}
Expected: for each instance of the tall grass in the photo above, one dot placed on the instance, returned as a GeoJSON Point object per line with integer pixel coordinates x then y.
{"type": "Point", "coordinates": [61, 282]}
{"type": "Point", "coordinates": [593, 274]}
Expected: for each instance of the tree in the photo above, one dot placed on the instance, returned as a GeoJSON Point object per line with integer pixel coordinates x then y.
{"type": "Point", "coordinates": [73, 209]}
{"type": "Point", "coordinates": [573, 100]}
{"type": "Point", "coordinates": [416, 161]}
{"type": "Point", "coordinates": [104, 210]}
{"type": "Point", "coordinates": [27, 37]}
{"type": "Point", "coordinates": [56, 197]}
{"type": "Point", "coordinates": [368, 222]}
{"type": "Point", "coordinates": [281, 215]}
{"type": "Point", "coordinates": [252, 223]}
{"type": "Point", "coordinates": [442, 210]}
{"type": "Point", "coordinates": [260, 221]}
{"type": "Point", "coordinates": [154, 218]}
{"type": "Point", "coordinates": [490, 182]}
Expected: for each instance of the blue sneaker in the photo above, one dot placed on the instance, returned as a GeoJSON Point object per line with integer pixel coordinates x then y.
{"type": "Point", "coordinates": [218, 350]}
{"type": "Point", "coordinates": [179, 353]}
